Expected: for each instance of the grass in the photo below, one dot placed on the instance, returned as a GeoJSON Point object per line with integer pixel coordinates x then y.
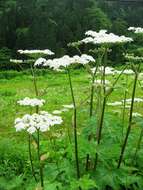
{"type": "Point", "coordinates": [17, 85]}
{"type": "Point", "coordinates": [56, 94]}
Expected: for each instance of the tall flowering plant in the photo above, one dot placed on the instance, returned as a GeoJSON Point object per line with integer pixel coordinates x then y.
{"type": "Point", "coordinates": [36, 123]}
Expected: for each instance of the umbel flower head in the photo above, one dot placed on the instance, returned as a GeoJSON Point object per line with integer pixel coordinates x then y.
{"type": "Point", "coordinates": [132, 57]}
{"type": "Point", "coordinates": [102, 37]}
{"type": "Point", "coordinates": [31, 102]}
{"type": "Point", "coordinates": [42, 122]}
{"type": "Point", "coordinates": [45, 51]}
{"type": "Point", "coordinates": [136, 30]}
{"type": "Point", "coordinates": [39, 61]}
{"type": "Point", "coordinates": [16, 60]}
{"type": "Point", "coordinates": [66, 60]}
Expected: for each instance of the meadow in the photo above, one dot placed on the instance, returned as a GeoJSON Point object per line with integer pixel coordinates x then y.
{"type": "Point", "coordinates": [57, 145]}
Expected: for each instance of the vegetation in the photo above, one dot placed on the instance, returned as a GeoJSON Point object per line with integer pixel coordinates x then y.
{"type": "Point", "coordinates": [42, 23]}
{"type": "Point", "coordinates": [74, 122]}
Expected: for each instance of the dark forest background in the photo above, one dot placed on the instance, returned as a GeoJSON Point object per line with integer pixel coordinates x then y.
{"type": "Point", "coordinates": [40, 24]}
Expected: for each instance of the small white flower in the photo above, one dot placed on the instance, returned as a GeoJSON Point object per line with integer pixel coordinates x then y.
{"type": "Point", "coordinates": [31, 102]}
{"type": "Point", "coordinates": [136, 29]}
{"type": "Point", "coordinates": [57, 112]}
{"type": "Point", "coordinates": [99, 82]}
{"type": "Point", "coordinates": [16, 61]}
{"type": "Point", "coordinates": [64, 110]}
{"type": "Point", "coordinates": [39, 61]}
{"type": "Point", "coordinates": [115, 104]}
{"type": "Point", "coordinates": [135, 114]}
{"type": "Point", "coordinates": [20, 126]}
{"type": "Point", "coordinates": [108, 70]}
{"type": "Point", "coordinates": [126, 72]}
{"type": "Point", "coordinates": [31, 130]}
{"type": "Point", "coordinates": [136, 100]}
{"type": "Point", "coordinates": [102, 37]}
{"type": "Point", "coordinates": [65, 61]}
{"type": "Point", "coordinates": [45, 51]}
{"type": "Point", "coordinates": [132, 57]}
{"type": "Point", "coordinates": [69, 106]}
{"type": "Point", "coordinates": [34, 122]}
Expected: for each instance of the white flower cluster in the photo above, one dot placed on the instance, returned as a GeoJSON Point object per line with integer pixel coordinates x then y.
{"type": "Point", "coordinates": [126, 72]}
{"type": "Point", "coordinates": [136, 29]}
{"type": "Point", "coordinates": [34, 122]}
{"type": "Point", "coordinates": [136, 100]}
{"type": "Point", "coordinates": [66, 108]}
{"type": "Point", "coordinates": [128, 101]}
{"type": "Point", "coordinates": [40, 61]}
{"type": "Point", "coordinates": [115, 104]}
{"type": "Point", "coordinates": [16, 60]}
{"type": "Point", "coordinates": [112, 71]}
{"type": "Point", "coordinates": [99, 82]}
{"type": "Point", "coordinates": [102, 37]}
{"type": "Point", "coordinates": [136, 114]}
{"type": "Point", "coordinates": [133, 58]}
{"type": "Point", "coordinates": [45, 51]}
{"type": "Point", "coordinates": [65, 61]}
{"type": "Point", "coordinates": [31, 102]}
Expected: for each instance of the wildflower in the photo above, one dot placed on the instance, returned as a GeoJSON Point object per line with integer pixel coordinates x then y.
{"type": "Point", "coordinates": [137, 100]}
{"type": "Point", "coordinates": [126, 72]}
{"type": "Point", "coordinates": [64, 110]}
{"type": "Point", "coordinates": [100, 82]}
{"type": "Point", "coordinates": [57, 112]}
{"type": "Point", "coordinates": [131, 57]}
{"type": "Point", "coordinates": [136, 29]}
{"type": "Point", "coordinates": [66, 60]}
{"type": "Point", "coordinates": [69, 106]}
{"type": "Point", "coordinates": [16, 61]}
{"type": "Point", "coordinates": [108, 70]}
{"type": "Point", "coordinates": [41, 122]}
{"type": "Point", "coordinates": [115, 104]}
{"type": "Point", "coordinates": [46, 51]}
{"type": "Point", "coordinates": [31, 102]}
{"type": "Point", "coordinates": [39, 61]}
{"type": "Point", "coordinates": [135, 114]}
{"type": "Point", "coordinates": [102, 37]}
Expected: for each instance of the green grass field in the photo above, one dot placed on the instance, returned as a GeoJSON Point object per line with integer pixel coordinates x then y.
{"type": "Point", "coordinates": [54, 88]}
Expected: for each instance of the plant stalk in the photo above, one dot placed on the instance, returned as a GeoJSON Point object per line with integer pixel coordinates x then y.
{"type": "Point", "coordinates": [30, 157]}
{"type": "Point", "coordinates": [74, 126]}
{"type": "Point", "coordinates": [40, 165]}
{"type": "Point", "coordinates": [99, 129]}
{"type": "Point", "coordinates": [130, 122]}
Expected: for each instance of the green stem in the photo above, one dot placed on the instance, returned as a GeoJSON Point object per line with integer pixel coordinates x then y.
{"type": "Point", "coordinates": [130, 122]}
{"type": "Point", "coordinates": [91, 112]}
{"type": "Point", "coordinates": [34, 81]}
{"type": "Point", "coordinates": [124, 107]}
{"type": "Point", "coordinates": [99, 129]}
{"type": "Point", "coordinates": [40, 165]}
{"type": "Point", "coordinates": [74, 126]}
{"type": "Point", "coordinates": [30, 157]}
{"type": "Point", "coordinates": [99, 133]}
